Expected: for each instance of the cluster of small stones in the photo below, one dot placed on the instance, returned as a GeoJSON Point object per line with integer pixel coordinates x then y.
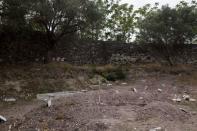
{"type": "Point", "coordinates": [58, 59]}
{"type": "Point", "coordinates": [54, 59]}
{"type": "Point", "coordinates": [123, 59]}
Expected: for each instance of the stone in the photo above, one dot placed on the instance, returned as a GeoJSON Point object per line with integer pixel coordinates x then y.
{"type": "Point", "coordinates": [109, 84]}
{"type": "Point", "coordinates": [192, 100]}
{"type": "Point", "coordinates": [53, 59]}
{"type": "Point", "coordinates": [156, 129]}
{"type": "Point", "coordinates": [177, 100]}
{"type": "Point", "coordinates": [141, 98]}
{"type": "Point", "coordinates": [123, 83]}
{"type": "Point", "coordinates": [58, 59]}
{"type": "Point", "coordinates": [2, 119]}
{"type": "Point", "coordinates": [117, 91]}
{"type": "Point", "coordinates": [49, 102]}
{"type": "Point", "coordinates": [134, 90]}
{"type": "Point", "coordinates": [186, 97]}
{"type": "Point", "coordinates": [183, 110]}
{"type": "Point", "coordinates": [62, 59]}
{"type": "Point", "coordinates": [160, 90]}
{"type": "Point", "coordinates": [84, 90]}
{"type": "Point", "coordinates": [10, 100]}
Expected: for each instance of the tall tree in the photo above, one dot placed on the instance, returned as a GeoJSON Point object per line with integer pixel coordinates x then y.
{"type": "Point", "coordinates": [120, 22]}
{"type": "Point", "coordinates": [167, 27]}
{"type": "Point", "coordinates": [57, 18]}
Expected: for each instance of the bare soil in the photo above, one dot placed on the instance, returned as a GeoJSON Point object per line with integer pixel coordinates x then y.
{"type": "Point", "coordinates": [117, 108]}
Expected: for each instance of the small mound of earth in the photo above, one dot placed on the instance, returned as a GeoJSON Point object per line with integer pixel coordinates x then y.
{"type": "Point", "coordinates": [162, 110]}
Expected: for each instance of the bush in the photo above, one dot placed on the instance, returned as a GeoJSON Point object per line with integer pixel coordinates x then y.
{"type": "Point", "coordinates": [111, 73]}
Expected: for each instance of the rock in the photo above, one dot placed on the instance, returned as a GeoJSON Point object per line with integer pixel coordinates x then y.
{"type": "Point", "coordinates": [49, 103]}
{"type": "Point", "coordinates": [141, 98]}
{"type": "Point", "coordinates": [183, 110]}
{"type": "Point", "coordinates": [53, 59]}
{"type": "Point", "coordinates": [10, 128]}
{"type": "Point", "coordinates": [146, 87]}
{"type": "Point", "coordinates": [62, 59]}
{"type": "Point", "coordinates": [134, 90]}
{"type": "Point", "coordinates": [84, 90]}
{"type": "Point", "coordinates": [159, 90]}
{"type": "Point", "coordinates": [163, 85]}
{"type": "Point", "coordinates": [123, 83]}
{"type": "Point", "coordinates": [109, 84]}
{"type": "Point", "coordinates": [177, 99]}
{"type": "Point", "coordinates": [117, 92]}
{"type": "Point", "coordinates": [10, 100]}
{"type": "Point", "coordinates": [156, 129]}
{"type": "Point", "coordinates": [186, 97]}
{"type": "Point", "coordinates": [192, 100]}
{"type": "Point", "coordinates": [2, 119]}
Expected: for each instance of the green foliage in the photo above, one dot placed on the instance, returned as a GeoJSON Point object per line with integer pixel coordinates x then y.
{"type": "Point", "coordinates": [166, 27]}
{"type": "Point", "coordinates": [120, 22]}
{"type": "Point", "coordinates": [114, 75]}
{"type": "Point", "coordinates": [111, 73]}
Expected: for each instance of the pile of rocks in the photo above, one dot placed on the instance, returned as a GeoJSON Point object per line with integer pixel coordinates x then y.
{"type": "Point", "coordinates": [122, 59]}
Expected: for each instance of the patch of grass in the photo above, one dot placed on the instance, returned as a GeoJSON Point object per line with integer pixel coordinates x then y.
{"type": "Point", "coordinates": [174, 70]}
{"type": "Point", "coordinates": [110, 73]}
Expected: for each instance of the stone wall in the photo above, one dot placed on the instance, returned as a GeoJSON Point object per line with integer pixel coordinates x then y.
{"type": "Point", "coordinates": [92, 52]}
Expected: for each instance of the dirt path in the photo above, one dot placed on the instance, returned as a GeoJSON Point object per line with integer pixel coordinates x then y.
{"type": "Point", "coordinates": [119, 108]}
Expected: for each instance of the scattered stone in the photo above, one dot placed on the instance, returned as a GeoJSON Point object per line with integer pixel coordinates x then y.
{"type": "Point", "coordinates": [62, 59]}
{"type": "Point", "coordinates": [117, 92]}
{"type": "Point", "coordinates": [141, 98]}
{"type": "Point", "coordinates": [163, 85]}
{"type": "Point", "coordinates": [58, 59]}
{"type": "Point", "coordinates": [183, 110]}
{"type": "Point", "coordinates": [192, 100]}
{"type": "Point", "coordinates": [160, 90]}
{"type": "Point", "coordinates": [134, 90]}
{"type": "Point", "coordinates": [10, 100]}
{"type": "Point", "coordinates": [53, 59]}
{"type": "Point", "coordinates": [49, 102]}
{"type": "Point", "coordinates": [84, 90]}
{"type": "Point", "coordinates": [37, 59]}
{"type": "Point", "coordinates": [156, 129]}
{"type": "Point", "coordinates": [177, 100]}
{"type": "Point", "coordinates": [146, 87]}
{"type": "Point", "coordinates": [123, 83]}
{"type": "Point", "coordinates": [10, 128]}
{"type": "Point", "coordinates": [109, 84]}
{"type": "Point", "coordinates": [186, 97]}
{"type": "Point", "coordinates": [2, 119]}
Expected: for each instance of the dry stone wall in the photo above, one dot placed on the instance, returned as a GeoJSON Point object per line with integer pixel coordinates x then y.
{"type": "Point", "coordinates": [84, 52]}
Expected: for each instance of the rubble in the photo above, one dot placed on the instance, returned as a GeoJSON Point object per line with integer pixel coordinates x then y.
{"type": "Point", "coordinates": [2, 119]}
{"type": "Point", "coordinates": [10, 100]}
{"type": "Point", "coordinates": [186, 97]}
{"type": "Point", "coordinates": [156, 129]}
{"type": "Point", "coordinates": [177, 99]}
{"type": "Point", "coordinates": [160, 90]}
{"type": "Point", "coordinates": [192, 100]}
{"type": "Point", "coordinates": [134, 90]}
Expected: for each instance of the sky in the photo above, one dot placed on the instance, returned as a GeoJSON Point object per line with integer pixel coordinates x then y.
{"type": "Point", "coordinates": [140, 3]}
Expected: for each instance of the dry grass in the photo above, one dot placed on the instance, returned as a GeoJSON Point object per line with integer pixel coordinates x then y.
{"type": "Point", "coordinates": [52, 77]}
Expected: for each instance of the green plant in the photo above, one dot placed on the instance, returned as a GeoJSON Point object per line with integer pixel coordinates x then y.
{"type": "Point", "coordinates": [114, 74]}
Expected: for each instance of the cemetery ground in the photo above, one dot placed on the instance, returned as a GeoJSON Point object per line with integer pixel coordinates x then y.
{"type": "Point", "coordinates": [139, 97]}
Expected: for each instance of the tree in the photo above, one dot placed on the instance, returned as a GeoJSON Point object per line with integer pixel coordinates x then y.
{"type": "Point", "coordinates": [120, 22]}
{"type": "Point", "coordinates": [57, 18]}
{"type": "Point", "coordinates": [168, 28]}
{"type": "Point", "coordinates": [96, 15]}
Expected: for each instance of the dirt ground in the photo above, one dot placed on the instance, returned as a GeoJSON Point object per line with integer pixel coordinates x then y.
{"type": "Point", "coordinates": [117, 108]}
